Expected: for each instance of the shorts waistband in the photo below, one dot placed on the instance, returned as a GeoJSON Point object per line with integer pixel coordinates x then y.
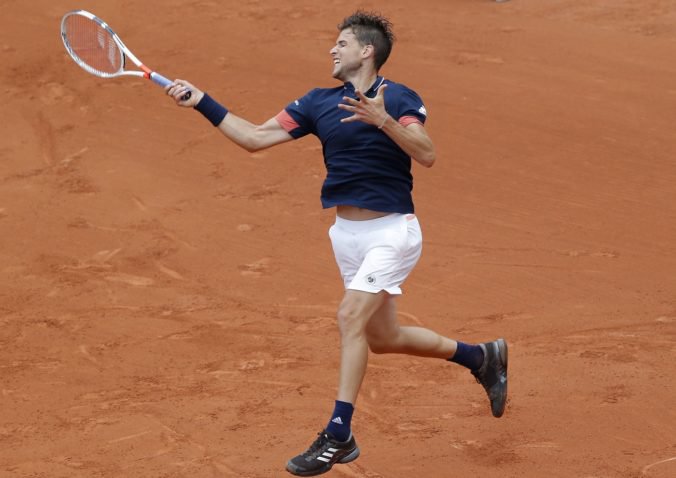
{"type": "Point", "coordinates": [370, 224]}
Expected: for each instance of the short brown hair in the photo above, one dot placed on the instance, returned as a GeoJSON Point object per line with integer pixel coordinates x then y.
{"type": "Point", "coordinates": [371, 28]}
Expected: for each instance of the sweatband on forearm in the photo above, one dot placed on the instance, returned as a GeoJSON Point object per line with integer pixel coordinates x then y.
{"type": "Point", "coordinates": [211, 109]}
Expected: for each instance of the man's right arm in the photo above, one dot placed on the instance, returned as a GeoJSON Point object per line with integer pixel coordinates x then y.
{"type": "Point", "coordinates": [240, 131]}
{"type": "Point", "coordinates": [253, 137]}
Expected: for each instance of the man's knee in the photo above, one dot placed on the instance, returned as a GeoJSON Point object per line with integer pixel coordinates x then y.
{"type": "Point", "coordinates": [349, 320]}
{"type": "Point", "coordinates": [355, 311]}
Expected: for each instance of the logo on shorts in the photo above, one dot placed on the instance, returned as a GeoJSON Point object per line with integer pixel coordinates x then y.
{"type": "Point", "coordinates": [371, 279]}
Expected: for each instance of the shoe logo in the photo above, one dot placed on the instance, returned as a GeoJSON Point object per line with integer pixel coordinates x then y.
{"type": "Point", "coordinates": [337, 420]}
{"type": "Point", "coordinates": [371, 279]}
{"type": "Point", "coordinates": [327, 455]}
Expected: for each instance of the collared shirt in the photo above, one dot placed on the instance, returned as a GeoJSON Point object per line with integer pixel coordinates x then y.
{"type": "Point", "coordinates": [365, 168]}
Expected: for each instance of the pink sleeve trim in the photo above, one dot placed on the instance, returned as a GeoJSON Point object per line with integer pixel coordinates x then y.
{"type": "Point", "coordinates": [409, 120]}
{"type": "Point", "coordinates": [286, 121]}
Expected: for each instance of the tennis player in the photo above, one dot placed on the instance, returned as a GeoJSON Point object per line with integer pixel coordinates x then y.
{"type": "Point", "coordinates": [370, 129]}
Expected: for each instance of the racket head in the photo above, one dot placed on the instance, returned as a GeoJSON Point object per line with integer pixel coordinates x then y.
{"type": "Point", "coordinates": [92, 44]}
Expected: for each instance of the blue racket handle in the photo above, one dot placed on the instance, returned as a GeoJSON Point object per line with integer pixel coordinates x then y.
{"type": "Point", "coordinates": [162, 81]}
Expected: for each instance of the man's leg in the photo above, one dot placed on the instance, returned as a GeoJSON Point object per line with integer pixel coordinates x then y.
{"type": "Point", "coordinates": [487, 361]}
{"type": "Point", "coordinates": [336, 443]}
{"type": "Point", "coordinates": [354, 314]}
{"type": "Point", "coordinates": [385, 335]}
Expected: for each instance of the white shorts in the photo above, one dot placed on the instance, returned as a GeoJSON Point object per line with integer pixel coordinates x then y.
{"type": "Point", "coordinates": [377, 254]}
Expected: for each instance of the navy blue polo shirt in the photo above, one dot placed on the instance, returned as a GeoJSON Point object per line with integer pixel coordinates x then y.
{"type": "Point", "coordinates": [364, 167]}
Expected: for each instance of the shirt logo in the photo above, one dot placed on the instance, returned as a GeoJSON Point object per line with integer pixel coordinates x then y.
{"type": "Point", "coordinates": [423, 110]}
{"type": "Point", "coordinates": [297, 103]}
{"type": "Point", "coordinates": [371, 279]}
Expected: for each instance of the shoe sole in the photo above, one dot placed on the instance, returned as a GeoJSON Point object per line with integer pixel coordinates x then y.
{"type": "Point", "coordinates": [353, 455]}
{"type": "Point", "coordinates": [502, 350]}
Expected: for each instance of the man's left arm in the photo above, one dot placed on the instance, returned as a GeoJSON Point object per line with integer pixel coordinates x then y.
{"type": "Point", "coordinates": [413, 139]}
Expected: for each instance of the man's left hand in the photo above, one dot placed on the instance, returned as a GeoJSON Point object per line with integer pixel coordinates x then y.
{"type": "Point", "coordinates": [369, 110]}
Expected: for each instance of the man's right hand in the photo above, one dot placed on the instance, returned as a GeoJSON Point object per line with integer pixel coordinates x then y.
{"type": "Point", "coordinates": [179, 88]}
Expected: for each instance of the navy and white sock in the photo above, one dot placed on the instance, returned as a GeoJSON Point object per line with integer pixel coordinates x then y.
{"type": "Point", "coordinates": [339, 425]}
{"type": "Point", "coordinates": [470, 356]}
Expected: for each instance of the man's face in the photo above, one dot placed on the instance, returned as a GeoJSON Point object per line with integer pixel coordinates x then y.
{"type": "Point", "coordinates": [347, 55]}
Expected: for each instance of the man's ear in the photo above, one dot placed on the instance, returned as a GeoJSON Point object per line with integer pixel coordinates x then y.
{"type": "Point", "coordinates": [368, 51]}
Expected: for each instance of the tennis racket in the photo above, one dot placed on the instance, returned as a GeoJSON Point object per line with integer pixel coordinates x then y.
{"type": "Point", "coordinates": [99, 51]}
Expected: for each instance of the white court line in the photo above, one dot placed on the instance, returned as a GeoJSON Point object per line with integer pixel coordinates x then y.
{"type": "Point", "coordinates": [646, 468]}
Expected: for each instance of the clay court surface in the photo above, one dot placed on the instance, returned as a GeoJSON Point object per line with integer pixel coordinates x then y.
{"type": "Point", "coordinates": [167, 300]}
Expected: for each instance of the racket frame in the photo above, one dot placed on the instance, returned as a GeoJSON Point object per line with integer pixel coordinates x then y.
{"type": "Point", "coordinates": [124, 51]}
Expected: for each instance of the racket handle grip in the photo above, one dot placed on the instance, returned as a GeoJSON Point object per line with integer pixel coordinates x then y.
{"type": "Point", "coordinates": [162, 81]}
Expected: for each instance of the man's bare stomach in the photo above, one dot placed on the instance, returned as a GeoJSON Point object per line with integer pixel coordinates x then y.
{"type": "Point", "coordinates": [353, 213]}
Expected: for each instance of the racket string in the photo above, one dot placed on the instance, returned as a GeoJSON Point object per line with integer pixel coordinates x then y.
{"type": "Point", "coordinates": [92, 46]}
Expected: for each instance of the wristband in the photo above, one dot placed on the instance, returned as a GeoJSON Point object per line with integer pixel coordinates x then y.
{"type": "Point", "coordinates": [211, 109]}
{"type": "Point", "coordinates": [384, 121]}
